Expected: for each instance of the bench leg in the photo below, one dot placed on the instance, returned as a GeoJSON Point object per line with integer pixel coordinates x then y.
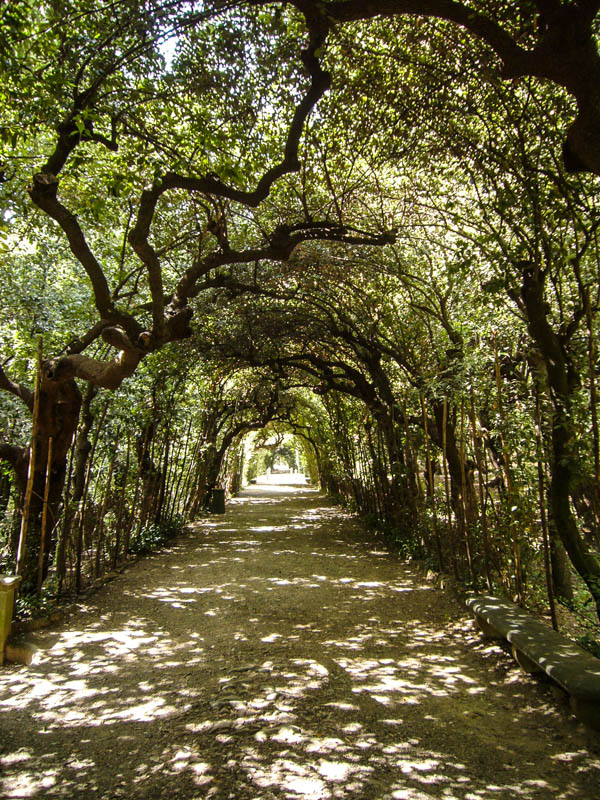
{"type": "Point", "coordinates": [586, 711]}
{"type": "Point", "coordinates": [487, 630]}
{"type": "Point", "coordinates": [526, 664]}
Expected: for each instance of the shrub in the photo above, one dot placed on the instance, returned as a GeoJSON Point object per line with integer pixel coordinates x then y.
{"type": "Point", "coordinates": [155, 535]}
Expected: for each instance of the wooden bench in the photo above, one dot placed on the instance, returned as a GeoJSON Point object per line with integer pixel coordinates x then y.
{"type": "Point", "coordinates": [538, 648]}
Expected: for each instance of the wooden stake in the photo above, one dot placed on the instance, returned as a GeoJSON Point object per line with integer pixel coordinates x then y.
{"type": "Point", "coordinates": [83, 501]}
{"type": "Point", "coordinates": [463, 496]}
{"type": "Point", "coordinates": [436, 532]}
{"type": "Point", "coordinates": [40, 579]}
{"type": "Point", "coordinates": [60, 560]}
{"type": "Point", "coordinates": [120, 515]}
{"type": "Point", "coordinates": [482, 497]}
{"type": "Point", "coordinates": [32, 463]}
{"type": "Point", "coordinates": [174, 504]}
{"type": "Point", "coordinates": [542, 505]}
{"type": "Point", "coordinates": [591, 348]}
{"type": "Point", "coordinates": [447, 489]}
{"type": "Point", "coordinates": [412, 451]}
{"type": "Point", "coordinates": [509, 483]}
{"type": "Point", "coordinates": [103, 507]}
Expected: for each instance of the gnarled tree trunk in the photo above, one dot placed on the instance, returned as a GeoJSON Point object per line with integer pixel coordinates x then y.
{"type": "Point", "coordinates": [59, 406]}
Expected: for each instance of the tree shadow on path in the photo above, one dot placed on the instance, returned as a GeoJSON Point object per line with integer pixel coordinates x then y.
{"type": "Point", "coordinates": [280, 652]}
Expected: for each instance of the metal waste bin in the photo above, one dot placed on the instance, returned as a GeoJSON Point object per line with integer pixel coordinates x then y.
{"type": "Point", "coordinates": [217, 501]}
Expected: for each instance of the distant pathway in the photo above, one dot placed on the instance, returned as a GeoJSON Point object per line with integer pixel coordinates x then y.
{"type": "Point", "coordinates": [277, 652]}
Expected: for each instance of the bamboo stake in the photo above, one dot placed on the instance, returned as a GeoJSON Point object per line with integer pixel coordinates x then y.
{"type": "Point", "coordinates": [177, 465]}
{"type": "Point", "coordinates": [187, 489]}
{"type": "Point", "coordinates": [134, 502]}
{"type": "Point", "coordinates": [83, 501]}
{"type": "Point", "coordinates": [120, 515]}
{"type": "Point", "coordinates": [509, 483]}
{"type": "Point", "coordinates": [40, 578]}
{"type": "Point", "coordinates": [164, 476]}
{"type": "Point", "coordinates": [103, 507]}
{"type": "Point", "coordinates": [369, 477]}
{"type": "Point", "coordinates": [542, 505]}
{"type": "Point", "coordinates": [173, 506]}
{"type": "Point", "coordinates": [365, 496]}
{"type": "Point", "coordinates": [482, 497]}
{"type": "Point", "coordinates": [388, 498]}
{"type": "Point", "coordinates": [463, 496]}
{"type": "Point", "coordinates": [436, 533]}
{"type": "Point", "coordinates": [61, 543]}
{"type": "Point", "coordinates": [591, 348]}
{"type": "Point", "coordinates": [412, 451]}
{"type": "Point", "coordinates": [447, 489]}
{"type": "Point", "coordinates": [32, 463]}
{"type": "Point", "coordinates": [136, 495]}
{"type": "Point", "coordinates": [375, 473]}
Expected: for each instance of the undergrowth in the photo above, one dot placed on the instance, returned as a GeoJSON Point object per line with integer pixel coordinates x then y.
{"type": "Point", "coordinates": [155, 535]}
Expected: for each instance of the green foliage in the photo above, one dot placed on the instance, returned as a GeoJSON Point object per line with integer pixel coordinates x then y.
{"type": "Point", "coordinates": [155, 535]}
{"type": "Point", "coordinates": [31, 606]}
{"type": "Point", "coordinates": [590, 643]}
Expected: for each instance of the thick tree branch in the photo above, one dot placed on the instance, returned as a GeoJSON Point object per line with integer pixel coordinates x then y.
{"type": "Point", "coordinates": [110, 144]}
{"type": "Point", "coordinates": [79, 345]}
{"type": "Point", "coordinates": [13, 454]}
{"type": "Point", "coordinates": [108, 374]}
{"type": "Point", "coordinates": [43, 192]}
{"type": "Point", "coordinates": [513, 56]}
{"type": "Point", "coordinates": [282, 243]}
{"type": "Point", "coordinates": [20, 391]}
{"type": "Point", "coordinates": [151, 261]}
{"type": "Point", "coordinates": [139, 234]}
{"type": "Point", "coordinates": [211, 184]}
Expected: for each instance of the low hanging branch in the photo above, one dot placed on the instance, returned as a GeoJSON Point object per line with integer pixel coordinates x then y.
{"type": "Point", "coordinates": [22, 392]}
{"type": "Point", "coordinates": [107, 374]}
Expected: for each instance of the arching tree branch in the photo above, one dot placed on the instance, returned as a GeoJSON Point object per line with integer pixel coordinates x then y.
{"type": "Point", "coordinates": [17, 389]}
{"type": "Point", "coordinates": [563, 50]}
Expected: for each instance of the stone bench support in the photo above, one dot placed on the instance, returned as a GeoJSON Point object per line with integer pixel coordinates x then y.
{"type": "Point", "coordinates": [538, 648]}
{"type": "Point", "coordinates": [8, 588]}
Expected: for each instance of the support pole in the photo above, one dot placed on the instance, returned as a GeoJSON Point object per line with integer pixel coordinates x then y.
{"type": "Point", "coordinates": [40, 578]}
{"type": "Point", "coordinates": [32, 462]}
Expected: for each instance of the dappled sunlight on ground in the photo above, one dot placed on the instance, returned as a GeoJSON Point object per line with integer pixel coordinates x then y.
{"type": "Point", "coordinates": [274, 653]}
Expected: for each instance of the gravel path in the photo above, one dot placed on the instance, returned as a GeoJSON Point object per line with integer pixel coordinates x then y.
{"type": "Point", "coordinates": [277, 652]}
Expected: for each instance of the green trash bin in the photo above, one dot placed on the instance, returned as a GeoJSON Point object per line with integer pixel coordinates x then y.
{"type": "Point", "coordinates": [217, 501]}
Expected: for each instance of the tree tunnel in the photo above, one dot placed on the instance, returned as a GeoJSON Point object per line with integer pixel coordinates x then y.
{"type": "Point", "coordinates": [313, 221]}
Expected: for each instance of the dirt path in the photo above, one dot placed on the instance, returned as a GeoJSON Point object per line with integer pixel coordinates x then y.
{"type": "Point", "coordinates": [276, 653]}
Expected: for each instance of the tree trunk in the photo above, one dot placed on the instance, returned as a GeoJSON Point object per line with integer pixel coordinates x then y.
{"type": "Point", "coordinates": [59, 408]}
{"type": "Point", "coordinates": [453, 459]}
{"type": "Point", "coordinates": [564, 464]}
{"type": "Point", "coordinates": [403, 489]}
{"type": "Point", "coordinates": [559, 562]}
{"type": "Point", "coordinates": [82, 452]}
{"type": "Point", "coordinates": [150, 474]}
